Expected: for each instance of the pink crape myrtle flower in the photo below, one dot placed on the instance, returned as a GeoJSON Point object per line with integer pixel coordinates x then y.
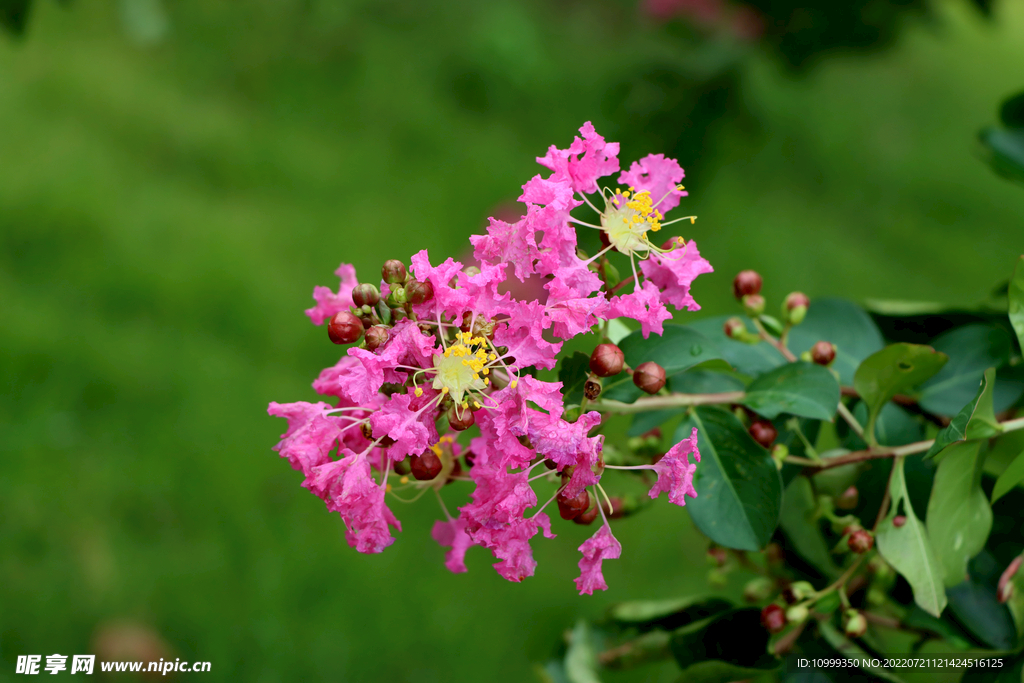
{"type": "Point", "coordinates": [675, 471]}
{"type": "Point", "coordinates": [599, 547]}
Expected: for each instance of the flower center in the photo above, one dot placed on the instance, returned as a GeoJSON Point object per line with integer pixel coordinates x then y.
{"type": "Point", "coordinates": [459, 369]}
{"type": "Point", "coordinates": [626, 221]}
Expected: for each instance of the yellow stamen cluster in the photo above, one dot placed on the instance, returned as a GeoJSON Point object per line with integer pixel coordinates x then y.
{"type": "Point", "coordinates": [443, 441]}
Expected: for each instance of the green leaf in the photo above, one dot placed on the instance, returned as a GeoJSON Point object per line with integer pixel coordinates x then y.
{"type": "Point", "coordinates": [855, 653]}
{"type": "Point", "coordinates": [803, 389]}
{"type": "Point", "coordinates": [972, 349]}
{"type": "Point", "coordinates": [908, 549]}
{"type": "Point", "coordinates": [572, 373]}
{"type": "Point", "coordinates": [976, 607]}
{"type": "Point", "coordinates": [843, 323]}
{"type": "Point", "coordinates": [617, 330]}
{"type": "Point", "coordinates": [747, 359]}
{"type": "Point", "coordinates": [726, 647]}
{"type": "Point", "coordinates": [797, 520]}
{"type": "Point", "coordinates": [668, 614]}
{"type": "Point", "coordinates": [894, 369]}
{"type": "Point", "coordinates": [14, 14]}
{"type": "Point", "coordinates": [677, 349]}
{"type": "Point", "coordinates": [976, 420]}
{"type": "Point", "coordinates": [1016, 296]}
{"type": "Point", "coordinates": [1010, 477]}
{"type": "Point", "coordinates": [1004, 151]}
{"type": "Point", "coordinates": [581, 664]}
{"type": "Point", "coordinates": [553, 671]}
{"type": "Point", "coordinates": [739, 489]}
{"type": "Point", "coordinates": [1011, 111]}
{"type": "Point", "coordinates": [959, 516]}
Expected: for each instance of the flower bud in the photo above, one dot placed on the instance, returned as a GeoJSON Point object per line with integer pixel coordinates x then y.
{"type": "Point", "coordinates": [717, 556]}
{"type": "Point", "coordinates": [365, 294]}
{"type": "Point", "coordinates": [855, 624]}
{"type": "Point", "coordinates": [860, 541]}
{"type": "Point", "coordinates": [417, 292]}
{"type": "Point", "coordinates": [425, 467]}
{"type": "Point", "coordinates": [794, 308]}
{"type": "Point", "coordinates": [780, 452]}
{"type": "Point", "coordinates": [376, 336]}
{"type": "Point", "coordinates": [734, 328]}
{"type": "Point", "coordinates": [758, 589]}
{"type": "Point", "coordinates": [591, 389]}
{"type": "Point", "coordinates": [764, 432]}
{"type": "Point", "coordinates": [773, 618]}
{"type": "Point", "coordinates": [344, 328]}
{"type": "Point", "coordinates": [587, 517]}
{"type": "Point", "coordinates": [393, 271]}
{"type": "Point", "coordinates": [570, 508]}
{"type": "Point", "coordinates": [649, 377]}
{"type": "Point", "coordinates": [718, 578]}
{"type": "Point", "coordinates": [823, 353]}
{"type": "Point", "coordinates": [753, 305]}
{"type": "Point", "coordinates": [607, 360]}
{"type": "Point", "coordinates": [848, 499]}
{"type": "Point", "coordinates": [745, 283]}
{"type": "Point", "coordinates": [401, 467]}
{"type": "Point", "coordinates": [1005, 587]}
{"type": "Point", "coordinates": [460, 418]}
{"type": "Point", "coordinates": [796, 614]}
{"type": "Point", "coordinates": [550, 464]}
{"type": "Point", "coordinates": [899, 520]}
{"type": "Point", "coordinates": [797, 591]}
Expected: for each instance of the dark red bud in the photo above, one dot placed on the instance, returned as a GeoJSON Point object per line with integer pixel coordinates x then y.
{"type": "Point", "coordinates": [376, 336]}
{"type": "Point", "coordinates": [425, 467]}
{"type": "Point", "coordinates": [344, 328]}
{"type": "Point", "coordinates": [764, 432]}
{"type": "Point", "coordinates": [649, 377]}
{"type": "Point", "coordinates": [393, 271]}
{"type": "Point", "coordinates": [848, 499]}
{"type": "Point", "coordinates": [734, 327]}
{"type": "Point", "coordinates": [365, 295]}
{"type": "Point", "coordinates": [587, 517]}
{"type": "Point", "coordinates": [860, 541]}
{"type": "Point", "coordinates": [550, 464]}
{"type": "Point", "coordinates": [773, 618]}
{"type": "Point", "coordinates": [795, 299]}
{"type": "Point", "coordinates": [823, 353]}
{"type": "Point", "coordinates": [573, 507]}
{"type": "Point", "coordinates": [898, 521]}
{"type": "Point", "coordinates": [460, 418]}
{"type": "Point", "coordinates": [402, 467]}
{"type": "Point", "coordinates": [607, 360]}
{"type": "Point", "coordinates": [746, 282]}
{"type": "Point", "coordinates": [419, 292]}
{"type": "Point", "coordinates": [591, 389]}
{"type": "Point", "coordinates": [718, 555]}
{"type": "Point", "coordinates": [469, 457]}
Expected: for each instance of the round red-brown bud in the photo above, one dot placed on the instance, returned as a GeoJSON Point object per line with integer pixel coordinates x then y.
{"type": "Point", "coordinates": [649, 377]}
{"type": "Point", "coordinates": [376, 336]}
{"type": "Point", "coordinates": [795, 299]}
{"type": "Point", "coordinates": [848, 499]}
{"type": "Point", "coordinates": [734, 327]}
{"type": "Point", "coordinates": [460, 418]}
{"type": "Point", "coordinates": [745, 283]}
{"type": "Point", "coordinates": [344, 328]}
{"type": "Point", "coordinates": [591, 389]}
{"type": "Point", "coordinates": [794, 308]}
{"type": "Point", "coordinates": [425, 467]}
{"type": "Point", "coordinates": [823, 353]}
{"type": "Point", "coordinates": [753, 305]}
{"type": "Point", "coordinates": [898, 521]}
{"type": "Point", "coordinates": [860, 541]}
{"type": "Point", "coordinates": [402, 467]}
{"type": "Point", "coordinates": [607, 360]}
{"type": "Point", "coordinates": [773, 618]}
{"type": "Point", "coordinates": [365, 294]}
{"type": "Point", "coordinates": [573, 507]}
{"type": "Point", "coordinates": [587, 517]}
{"type": "Point", "coordinates": [417, 292]}
{"type": "Point", "coordinates": [764, 432]}
{"type": "Point", "coordinates": [717, 556]}
{"type": "Point", "coordinates": [393, 271]}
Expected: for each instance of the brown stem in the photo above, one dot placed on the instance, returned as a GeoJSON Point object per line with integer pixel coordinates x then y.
{"type": "Point", "coordinates": [779, 346]}
{"type": "Point", "coordinates": [884, 507]}
{"type": "Point", "coordinates": [660, 402]}
{"type": "Point", "coordinates": [784, 644]}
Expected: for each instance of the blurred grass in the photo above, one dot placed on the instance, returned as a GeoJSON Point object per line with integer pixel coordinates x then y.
{"type": "Point", "coordinates": [165, 213]}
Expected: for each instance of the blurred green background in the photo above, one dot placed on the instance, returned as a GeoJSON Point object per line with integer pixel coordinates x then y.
{"type": "Point", "coordinates": [174, 180]}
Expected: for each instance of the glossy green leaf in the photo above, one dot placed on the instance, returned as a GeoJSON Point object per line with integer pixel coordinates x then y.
{"type": "Point", "coordinates": [803, 532]}
{"type": "Point", "coordinates": [972, 349]}
{"type": "Point", "coordinates": [959, 516]}
{"type": "Point", "coordinates": [1004, 151]}
{"type": "Point", "coordinates": [727, 647]}
{"type": "Point", "coordinates": [739, 490]}
{"type": "Point", "coordinates": [747, 359]}
{"type": "Point", "coordinates": [849, 649]}
{"type": "Point", "coordinates": [895, 369]}
{"type": "Point", "coordinates": [1016, 296]}
{"type": "Point", "coordinates": [803, 389]}
{"type": "Point", "coordinates": [1010, 477]}
{"type": "Point", "coordinates": [975, 606]}
{"type": "Point", "coordinates": [572, 373]}
{"type": "Point", "coordinates": [976, 420]}
{"type": "Point", "coordinates": [677, 349]}
{"type": "Point", "coordinates": [908, 549]}
{"type": "Point", "coordinates": [844, 324]}
{"type": "Point", "coordinates": [668, 614]}
{"type": "Point", "coordinates": [581, 665]}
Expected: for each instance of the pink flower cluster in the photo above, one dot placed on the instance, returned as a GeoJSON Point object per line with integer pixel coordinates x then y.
{"type": "Point", "coordinates": [464, 355]}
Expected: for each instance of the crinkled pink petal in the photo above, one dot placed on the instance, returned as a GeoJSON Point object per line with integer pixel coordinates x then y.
{"type": "Point", "coordinates": [364, 381]}
{"type": "Point", "coordinates": [337, 380]}
{"type": "Point", "coordinates": [523, 334]}
{"type": "Point", "coordinates": [566, 443]}
{"type": "Point", "coordinates": [448, 299]}
{"type": "Point", "coordinates": [643, 305]}
{"type": "Point", "coordinates": [673, 272]}
{"type": "Point", "coordinates": [327, 302]}
{"type": "Point", "coordinates": [554, 193]}
{"type": "Point", "coordinates": [311, 434]}
{"type": "Point", "coordinates": [660, 177]}
{"type": "Point", "coordinates": [599, 159]}
{"type": "Point", "coordinates": [513, 243]}
{"type": "Point", "coordinates": [511, 545]}
{"type": "Point", "coordinates": [599, 547]}
{"type": "Point", "coordinates": [452, 534]}
{"type": "Point", "coordinates": [675, 471]}
{"type": "Point", "coordinates": [507, 448]}
{"type": "Point", "coordinates": [411, 427]}
{"type": "Point", "coordinates": [482, 289]}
